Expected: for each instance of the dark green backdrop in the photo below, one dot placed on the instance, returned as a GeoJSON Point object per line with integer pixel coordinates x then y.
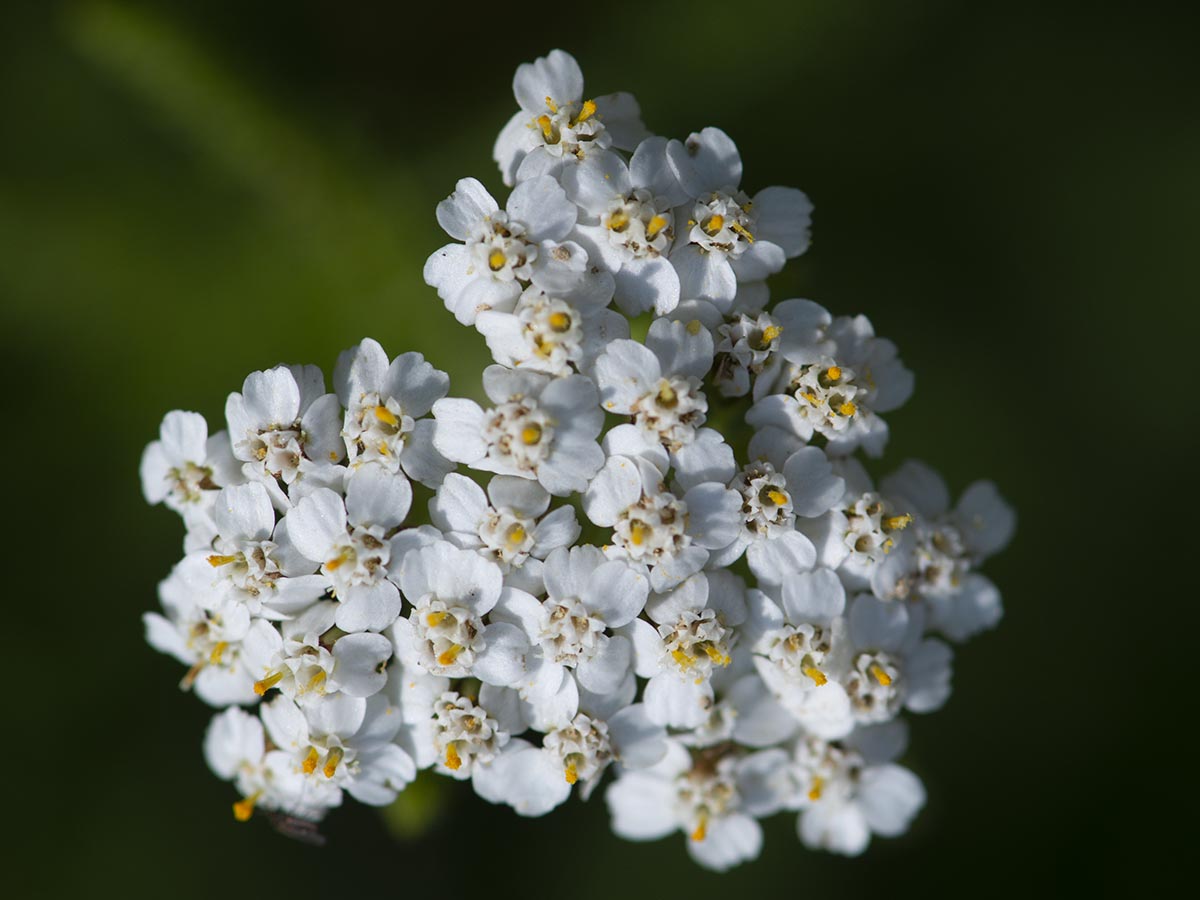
{"type": "Point", "coordinates": [190, 191]}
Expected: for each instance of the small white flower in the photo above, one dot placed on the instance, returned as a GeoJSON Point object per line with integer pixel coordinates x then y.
{"type": "Point", "coordinates": [251, 560]}
{"type": "Point", "coordinates": [794, 646]}
{"type": "Point", "coordinates": [849, 789]}
{"type": "Point", "coordinates": [659, 383]}
{"type": "Point", "coordinates": [556, 124]}
{"type": "Point", "coordinates": [627, 222]}
{"type": "Point", "coordinates": [838, 380]}
{"type": "Point", "coordinates": [887, 665]}
{"type": "Point", "coordinates": [185, 468]}
{"type": "Point", "coordinates": [501, 251]}
{"type": "Point", "coordinates": [702, 797]}
{"type": "Point", "coordinates": [351, 541]}
{"type": "Point", "coordinates": [694, 632]}
{"type": "Point", "coordinates": [587, 596]}
{"type": "Point", "coordinates": [652, 526]}
{"type": "Point", "coordinates": [205, 637]}
{"type": "Point", "coordinates": [340, 743]}
{"type": "Point", "coordinates": [286, 429]}
{"type": "Point", "coordinates": [305, 659]}
{"type": "Point", "coordinates": [752, 345]}
{"type": "Point", "coordinates": [724, 237]}
{"type": "Point", "coordinates": [540, 428]}
{"type": "Point", "coordinates": [551, 332]}
{"type": "Point", "coordinates": [385, 405]}
{"type": "Point", "coordinates": [450, 591]}
{"type": "Point", "coordinates": [508, 525]}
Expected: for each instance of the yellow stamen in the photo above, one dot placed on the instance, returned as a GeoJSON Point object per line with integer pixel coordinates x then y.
{"type": "Point", "coordinates": [654, 226]}
{"type": "Point", "coordinates": [739, 228]}
{"type": "Point", "coordinates": [261, 687]}
{"type": "Point", "coordinates": [340, 560]}
{"type": "Point", "coordinates": [447, 657]}
{"type": "Point", "coordinates": [316, 681]}
{"type": "Point", "coordinates": [310, 762]}
{"type": "Point", "coordinates": [897, 523]}
{"type": "Point", "coordinates": [770, 333]}
{"type": "Point", "coordinates": [496, 260]}
{"type": "Point", "coordinates": [560, 322]}
{"type": "Point", "coordinates": [551, 105]}
{"type": "Point", "coordinates": [434, 619]}
{"type": "Point", "coordinates": [818, 785]}
{"type": "Point", "coordinates": [216, 561]}
{"type": "Point", "coordinates": [516, 536]}
{"type": "Point", "coordinates": [713, 225]}
{"type": "Point", "coordinates": [588, 110]}
{"type": "Point", "coordinates": [779, 498]}
{"type": "Point", "coordinates": [244, 808]}
{"type": "Point", "coordinates": [531, 434]}
{"type": "Point", "coordinates": [638, 532]}
{"type": "Point", "coordinates": [694, 326]}
{"type": "Point", "coordinates": [667, 396]}
{"type": "Point", "coordinates": [618, 221]}
{"type": "Point", "coordinates": [810, 397]}
{"type": "Point", "coordinates": [185, 684]}
{"type": "Point", "coordinates": [833, 373]}
{"type": "Point", "coordinates": [453, 760]}
{"type": "Point", "coordinates": [716, 656]}
{"type": "Point", "coordinates": [217, 651]}
{"type": "Point", "coordinates": [572, 775]}
{"type": "Point", "coordinates": [881, 676]}
{"type": "Point", "coordinates": [847, 409]}
{"type": "Point", "coordinates": [547, 127]}
{"type": "Point", "coordinates": [701, 830]}
{"type": "Point", "coordinates": [682, 659]}
{"type": "Point", "coordinates": [332, 760]}
{"type": "Point", "coordinates": [815, 674]}
{"type": "Point", "coordinates": [383, 414]}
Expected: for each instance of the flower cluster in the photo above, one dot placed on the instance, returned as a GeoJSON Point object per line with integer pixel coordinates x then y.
{"type": "Point", "coordinates": [725, 624]}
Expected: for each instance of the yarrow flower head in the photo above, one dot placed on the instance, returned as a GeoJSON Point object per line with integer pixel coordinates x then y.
{"type": "Point", "coordinates": [646, 559]}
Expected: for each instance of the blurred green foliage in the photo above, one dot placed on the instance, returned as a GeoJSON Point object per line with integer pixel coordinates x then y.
{"type": "Point", "coordinates": [1010, 191]}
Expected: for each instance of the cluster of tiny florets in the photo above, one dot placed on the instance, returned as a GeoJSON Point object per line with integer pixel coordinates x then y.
{"type": "Point", "coordinates": [750, 622]}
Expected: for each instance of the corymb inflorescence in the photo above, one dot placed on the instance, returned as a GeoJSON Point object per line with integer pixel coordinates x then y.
{"type": "Point", "coordinates": [751, 616]}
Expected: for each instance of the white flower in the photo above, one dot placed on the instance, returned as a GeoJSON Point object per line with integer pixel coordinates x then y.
{"type": "Point", "coordinates": [537, 779]}
{"type": "Point", "coordinates": [626, 222]}
{"type": "Point", "coordinates": [206, 638]}
{"type": "Point", "coordinates": [837, 381]}
{"type": "Point", "coordinates": [307, 660]}
{"type": "Point", "coordinates": [235, 749]}
{"type": "Point", "coordinates": [551, 332]}
{"type": "Point", "coordinates": [659, 383]}
{"type": "Point", "coordinates": [556, 124]}
{"type": "Point", "coordinates": [887, 664]}
{"type": "Point", "coordinates": [286, 429]}
{"type": "Point", "coordinates": [587, 596]}
{"type": "Point", "coordinates": [702, 797]}
{"type": "Point", "coordinates": [794, 645]}
{"type": "Point", "coordinates": [540, 428]}
{"type": "Point", "coordinates": [850, 789]}
{"type": "Point", "coordinates": [501, 251]}
{"type": "Point", "coordinates": [652, 526]}
{"type": "Point", "coordinates": [752, 344]}
{"type": "Point", "coordinates": [694, 632]}
{"type": "Point", "coordinates": [724, 237]}
{"type": "Point", "coordinates": [947, 546]}
{"type": "Point", "coordinates": [509, 524]}
{"type": "Point", "coordinates": [385, 405]}
{"type": "Point", "coordinates": [351, 541]}
{"type": "Point", "coordinates": [803, 486]}
{"type": "Point", "coordinates": [185, 468]}
{"type": "Point", "coordinates": [471, 736]}
{"type": "Point", "coordinates": [340, 743]}
{"type": "Point", "coordinates": [450, 591]}
{"type": "Point", "coordinates": [251, 560]}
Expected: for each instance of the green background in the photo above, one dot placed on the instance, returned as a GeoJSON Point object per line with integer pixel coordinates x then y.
{"type": "Point", "coordinates": [189, 192]}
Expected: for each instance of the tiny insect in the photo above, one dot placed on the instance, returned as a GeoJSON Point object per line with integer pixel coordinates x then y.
{"type": "Point", "coordinates": [303, 830]}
